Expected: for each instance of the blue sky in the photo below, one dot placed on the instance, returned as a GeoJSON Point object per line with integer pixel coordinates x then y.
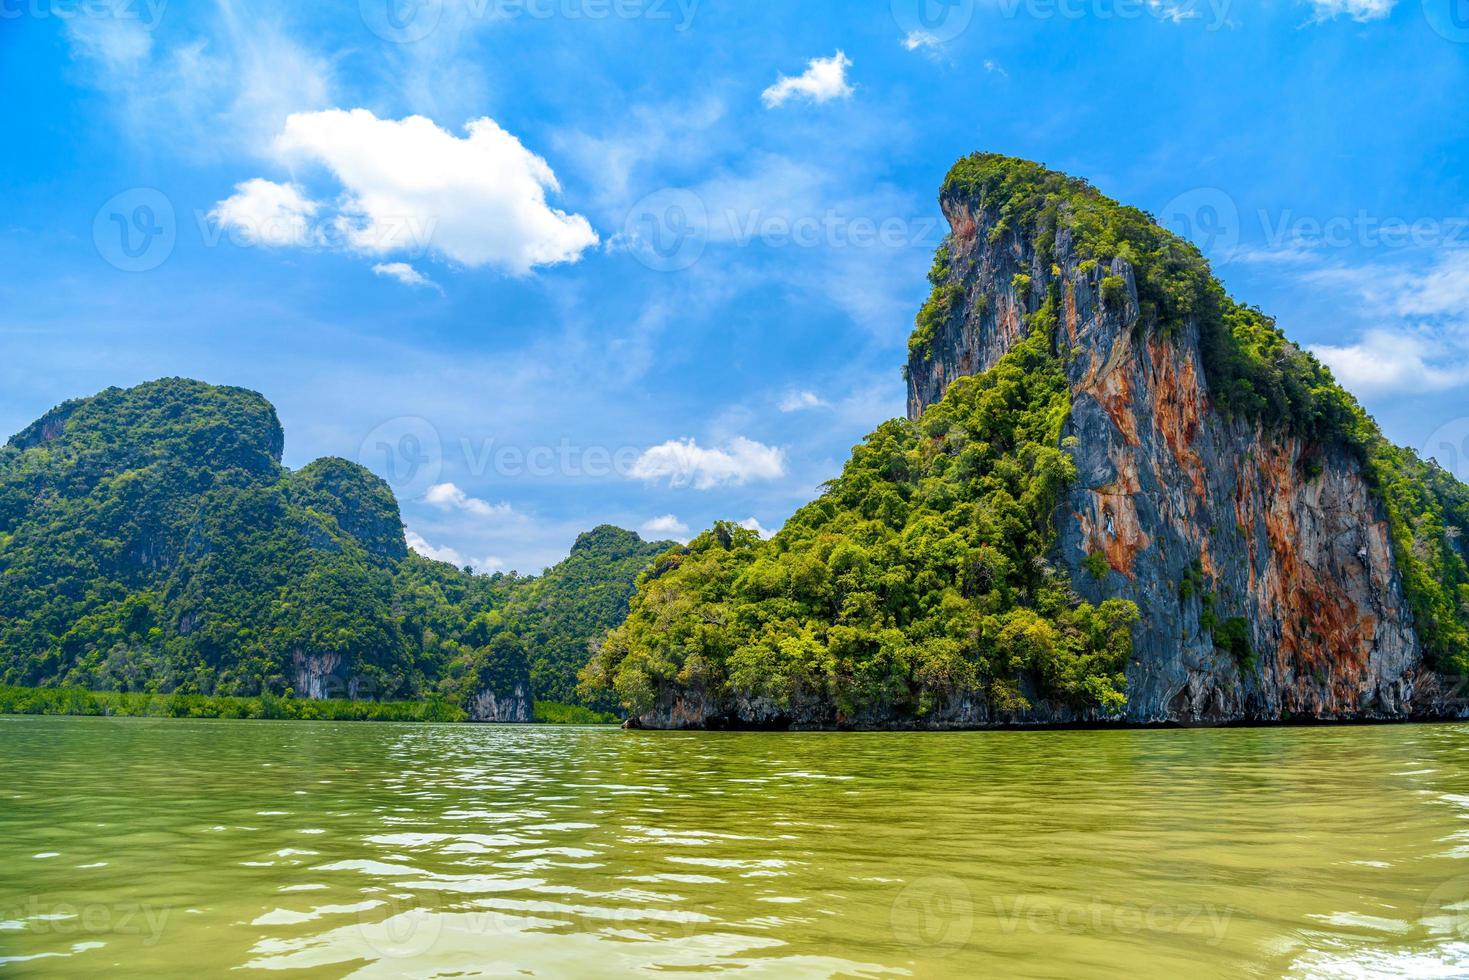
{"type": "Point", "coordinates": [554, 263]}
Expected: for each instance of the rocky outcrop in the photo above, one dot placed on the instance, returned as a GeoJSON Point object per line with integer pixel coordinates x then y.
{"type": "Point", "coordinates": [515, 706]}
{"type": "Point", "coordinates": [322, 676]}
{"type": "Point", "coordinates": [1196, 518]}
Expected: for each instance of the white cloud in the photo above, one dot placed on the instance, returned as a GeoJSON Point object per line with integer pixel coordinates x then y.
{"type": "Point", "coordinates": [447, 496]}
{"type": "Point", "coordinates": [920, 39]}
{"type": "Point", "coordinates": [796, 401]}
{"type": "Point", "coordinates": [1361, 11]}
{"type": "Point", "coordinates": [116, 42]}
{"type": "Point", "coordinates": [637, 142]}
{"type": "Point", "coordinates": [683, 462]}
{"type": "Point", "coordinates": [1439, 295]}
{"type": "Point", "coordinates": [404, 273]}
{"type": "Point", "coordinates": [266, 213]}
{"type": "Point", "coordinates": [823, 80]}
{"type": "Point", "coordinates": [1387, 361]}
{"type": "Point", "coordinates": [270, 77]}
{"type": "Point", "coordinates": [1442, 291]}
{"type": "Point", "coordinates": [1173, 11]}
{"type": "Point", "coordinates": [666, 526]}
{"type": "Point", "coordinates": [410, 185]}
{"type": "Point", "coordinates": [1417, 324]}
{"type": "Point", "coordinates": [751, 524]}
{"type": "Point", "coordinates": [995, 68]}
{"type": "Point", "coordinates": [487, 564]}
{"type": "Point", "coordinates": [225, 91]}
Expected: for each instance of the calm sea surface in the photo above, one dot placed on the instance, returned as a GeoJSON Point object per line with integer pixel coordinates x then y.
{"type": "Point", "coordinates": [193, 848]}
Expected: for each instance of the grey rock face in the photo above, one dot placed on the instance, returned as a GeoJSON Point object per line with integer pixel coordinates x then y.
{"type": "Point", "coordinates": [322, 676]}
{"type": "Point", "coordinates": [516, 706]}
{"type": "Point", "coordinates": [1197, 516]}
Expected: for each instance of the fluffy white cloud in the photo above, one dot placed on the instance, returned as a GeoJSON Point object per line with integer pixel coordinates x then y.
{"type": "Point", "coordinates": [1361, 11]}
{"type": "Point", "coordinates": [666, 526]}
{"type": "Point", "coordinates": [683, 462]}
{"type": "Point", "coordinates": [263, 212]}
{"type": "Point", "coordinates": [404, 273]}
{"type": "Point", "coordinates": [1417, 319]}
{"type": "Point", "coordinates": [751, 524]}
{"type": "Point", "coordinates": [796, 401]}
{"type": "Point", "coordinates": [409, 185]}
{"type": "Point", "coordinates": [1387, 361]}
{"type": "Point", "coordinates": [823, 80]}
{"type": "Point", "coordinates": [447, 496]}
{"type": "Point", "coordinates": [487, 564]}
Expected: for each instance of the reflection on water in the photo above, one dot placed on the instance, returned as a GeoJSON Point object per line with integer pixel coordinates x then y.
{"type": "Point", "coordinates": [382, 850]}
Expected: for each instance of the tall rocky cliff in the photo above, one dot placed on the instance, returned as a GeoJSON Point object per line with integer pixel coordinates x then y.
{"type": "Point", "coordinates": [1198, 516]}
{"type": "Point", "coordinates": [1120, 496]}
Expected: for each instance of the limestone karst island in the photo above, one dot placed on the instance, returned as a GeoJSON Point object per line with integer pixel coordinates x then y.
{"type": "Point", "coordinates": [597, 489]}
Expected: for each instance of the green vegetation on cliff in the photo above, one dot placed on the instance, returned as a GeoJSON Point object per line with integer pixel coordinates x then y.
{"type": "Point", "coordinates": [151, 541]}
{"type": "Point", "coordinates": [918, 579]}
{"type": "Point", "coordinates": [1253, 372]}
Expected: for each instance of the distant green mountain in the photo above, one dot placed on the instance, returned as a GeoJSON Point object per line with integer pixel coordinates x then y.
{"type": "Point", "coordinates": [585, 595]}
{"type": "Point", "coordinates": [151, 540]}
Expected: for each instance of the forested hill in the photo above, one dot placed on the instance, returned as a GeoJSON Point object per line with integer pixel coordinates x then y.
{"type": "Point", "coordinates": [150, 539]}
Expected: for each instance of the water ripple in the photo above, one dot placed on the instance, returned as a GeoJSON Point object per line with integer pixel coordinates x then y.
{"type": "Point", "coordinates": [384, 850]}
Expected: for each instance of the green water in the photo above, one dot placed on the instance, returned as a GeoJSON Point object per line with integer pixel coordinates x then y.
{"type": "Point", "coordinates": [192, 848]}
